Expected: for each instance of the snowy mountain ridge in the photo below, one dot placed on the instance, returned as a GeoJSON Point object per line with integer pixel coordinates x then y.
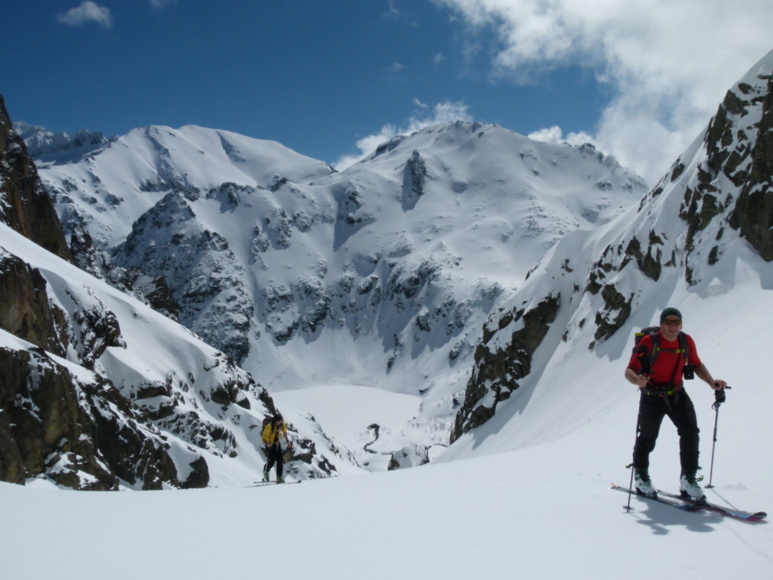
{"type": "Point", "coordinates": [269, 209]}
{"type": "Point", "coordinates": [98, 391]}
{"type": "Point", "coordinates": [380, 275]}
{"type": "Point", "coordinates": [203, 409]}
{"type": "Point", "coordinates": [60, 147]}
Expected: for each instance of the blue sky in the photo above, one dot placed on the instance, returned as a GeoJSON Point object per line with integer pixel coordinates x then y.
{"type": "Point", "coordinates": [331, 78]}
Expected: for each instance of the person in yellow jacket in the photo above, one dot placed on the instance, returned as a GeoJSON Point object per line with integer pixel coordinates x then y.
{"type": "Point", "coordinates": [272, 436]}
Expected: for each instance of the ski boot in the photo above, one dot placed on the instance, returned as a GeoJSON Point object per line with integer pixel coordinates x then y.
{"type": "Point", "coordinates": [643, 484]}
{"type": "Point", "coordinates": [690, 488]}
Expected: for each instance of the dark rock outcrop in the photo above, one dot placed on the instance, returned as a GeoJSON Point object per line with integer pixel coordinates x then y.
{"type": "Point", "coordinates": [25, 310]}
{"type": "Point", "coordinates": [498, 370]}
{"type": "Point", "coordinates": [752, 166]}
{"type": "Point", "coordinates": [81, 434]}
{"type": "Point", "coordinates": [24, 204]}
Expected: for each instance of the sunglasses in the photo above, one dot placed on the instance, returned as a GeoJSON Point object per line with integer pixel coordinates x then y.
{"type": "Point", "coordinates": [672, 322]}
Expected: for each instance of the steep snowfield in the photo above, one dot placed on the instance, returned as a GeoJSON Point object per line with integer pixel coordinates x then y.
{"type": "Point", "coordinates": [115, 184]}
{"type": "Point", "coordinates": [158, 351]}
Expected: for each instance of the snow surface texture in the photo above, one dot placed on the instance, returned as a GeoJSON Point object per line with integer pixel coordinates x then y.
{"type": "Point", "coordinates": [527, 493]}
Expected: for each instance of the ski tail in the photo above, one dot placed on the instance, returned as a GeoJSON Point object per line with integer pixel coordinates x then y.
{"type": "Point", "coordinates": [728, 511]}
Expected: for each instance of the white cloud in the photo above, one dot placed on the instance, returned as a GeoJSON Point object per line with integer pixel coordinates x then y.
{"type": "Point", "coordinates": [86, 13]}
{"type": "Point", "coordinates": [441, 113]}
{"type": "Point", "coordinates": [555, 135]}
{"type": "Point", "coordinates": [668, 62]}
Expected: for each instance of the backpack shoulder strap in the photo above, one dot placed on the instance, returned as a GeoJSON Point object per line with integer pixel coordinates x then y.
{"type": "Point", "coordinates": [684, 346]}
{"type": "Point", "coordinates": [655, 348]}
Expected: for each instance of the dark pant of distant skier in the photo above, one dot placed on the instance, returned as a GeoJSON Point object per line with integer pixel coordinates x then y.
{"type": "Point", "coordinates": [679, 408]}
{"type": "Point", "coordinates": [274, 454]}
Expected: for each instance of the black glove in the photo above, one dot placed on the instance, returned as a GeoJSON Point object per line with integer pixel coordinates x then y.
{"type": "Point", "coordinates": [719, 397]}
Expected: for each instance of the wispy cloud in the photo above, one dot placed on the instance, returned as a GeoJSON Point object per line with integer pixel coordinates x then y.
{"type": "Point", "coordinates": [87, 12]}
{"type": "Point", "coordinates": [392, 10]}
{"type": "Point", "coordinates": [159, 4]}
{"type": "Point", "coordinates": [441, 113]}
{"type": "Point", "coordinates": [668, 62]}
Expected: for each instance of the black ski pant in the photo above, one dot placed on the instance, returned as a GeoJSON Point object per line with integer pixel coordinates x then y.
{"type": "Point", "coordinates": [679, 408]}
{"type": "Point", "coordinates": [275, 455]}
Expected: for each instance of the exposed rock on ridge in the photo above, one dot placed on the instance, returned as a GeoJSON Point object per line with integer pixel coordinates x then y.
{"type": "Point", "coordinates": [24, 203]}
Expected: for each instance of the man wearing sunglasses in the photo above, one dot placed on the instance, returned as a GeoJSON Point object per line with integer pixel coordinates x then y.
{"type": "Point", "coordinates": [658, 367]}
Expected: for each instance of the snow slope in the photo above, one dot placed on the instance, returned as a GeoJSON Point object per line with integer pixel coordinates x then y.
{"type": "Point", "coordinates": [530, 499]}
{"type": "Point", "coordinates": [157, 351]}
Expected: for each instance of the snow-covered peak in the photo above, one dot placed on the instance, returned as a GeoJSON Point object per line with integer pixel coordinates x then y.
{"type": "Point", "coordinates": [59, 147]}
{"type": "Point", "coordinates": [106, 191]}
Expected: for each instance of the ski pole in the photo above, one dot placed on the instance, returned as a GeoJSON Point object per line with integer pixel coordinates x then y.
{"type": "Point", "coordinates": [645, 370]}
{"type": "Point", "coordinates": [631, 467]}
{"type": "Point", "coordinates": [719, 398]}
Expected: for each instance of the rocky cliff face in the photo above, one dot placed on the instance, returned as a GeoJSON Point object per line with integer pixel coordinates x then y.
{"type": "Point", "coordinates": [25, 310]}
{"type": "Point", "coordinates": [206, 283]}
{"type": "Point", "coordinates": [79, 432]}
{"type": "Point", "coordinates": [24, 204]}
{"type": "Point", "coordinates": [750, 163]}
{"type": "Point", "coordinates": [496, 373]}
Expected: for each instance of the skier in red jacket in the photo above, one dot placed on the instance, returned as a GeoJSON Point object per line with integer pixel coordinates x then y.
{"type": "Point", "coordinates": [657, 367]}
